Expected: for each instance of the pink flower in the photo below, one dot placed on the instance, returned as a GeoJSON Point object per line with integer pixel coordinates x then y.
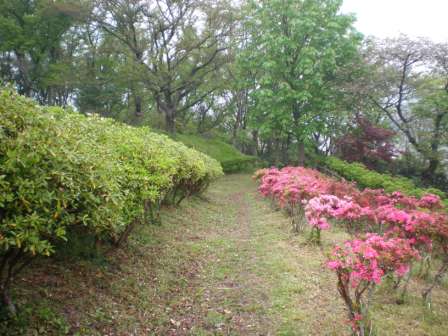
{"type": "Point", "coordinates": [334, 264]}
{"type": "Point", "coordinates": [370, 253]}
{"type": "Point", "coordinates": [402, 270]}
{"type": "Point", "coordinates": [430, 201]}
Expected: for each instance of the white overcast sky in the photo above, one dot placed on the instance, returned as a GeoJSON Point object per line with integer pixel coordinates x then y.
{"type": "Point", "coordinates": [388, 18]}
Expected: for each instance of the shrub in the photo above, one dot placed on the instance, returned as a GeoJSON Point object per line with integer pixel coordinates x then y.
{"type": "Point", "coordinates": [390, 231]}
{"type": "Point", "coordinates": [61, 171]}
{"type": "Point", "coordinates": [361, 264]}
{"type": "Point", "coordinates": [366, 178]}
{"type": "Point", "coordinates": [231, 159]}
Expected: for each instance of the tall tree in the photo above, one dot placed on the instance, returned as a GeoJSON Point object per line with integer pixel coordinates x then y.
{"type": "Point", "coordinates": [33, 55]}
{"type": "Point", "coordinates": [409, 85]}
{"type": "Point", "coordinates": [104, 75]}
{"type": "Point", "coordinates": [302, 46]}
{"type": "Point", "coordinates": [123, 20]}
{"type": "Point", "coordinates": [176, 45]}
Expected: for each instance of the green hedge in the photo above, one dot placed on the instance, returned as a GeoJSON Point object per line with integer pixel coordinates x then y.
{"type": "Point", "coordinates": [238, 165]}
{"type": "Point", "coordinates": [61, 171]}
{"type": "Point", "coordinates": [231, 159]}
{"type": "Point", "coordinates": [366, 178]}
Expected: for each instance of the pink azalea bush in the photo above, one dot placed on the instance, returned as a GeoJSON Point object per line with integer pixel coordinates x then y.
{"type": "Point", "coordinates": [390, 231]}
{"type": "Point", "coordinates": [319, 209]}
{"type": "Point", "coordinates": [323, 198]}
{"type": "Point", "coordinates": [361, 264]}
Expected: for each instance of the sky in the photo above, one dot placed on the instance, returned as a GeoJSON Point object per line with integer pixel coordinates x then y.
{"type": "Point", "coordinates": [389, 18]}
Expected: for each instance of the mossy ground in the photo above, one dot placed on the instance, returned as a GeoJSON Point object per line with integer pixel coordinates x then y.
{"type": "Point", "coordinates": [224, 263]}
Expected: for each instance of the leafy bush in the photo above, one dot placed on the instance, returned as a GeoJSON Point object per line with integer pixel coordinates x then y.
{"type": "Point", "coordinates": [231, 159]}
{"type": "Point", "coordinates": [64, 172]}
{"type": "Point", "coordinates": [366, 178]}
{"type": "Point", "coordinates": [389, 232]}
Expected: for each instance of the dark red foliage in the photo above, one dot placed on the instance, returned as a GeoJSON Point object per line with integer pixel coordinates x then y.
{"type": "Point", "coordinates": [367, 143]}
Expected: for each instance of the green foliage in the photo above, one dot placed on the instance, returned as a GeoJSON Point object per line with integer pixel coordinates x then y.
{"type": "Point", "coordinates": [37, 318]}
{"type": "Point", "coordinates": [299, 57]}
{"type": "Point", "coordinates": [366, 178]}
{"type": "Point", "coordinates": [61, 171]}
{"type": "Point", "coordinates": [231, 159]}
{"type": "Point", "coordinates": [38, 61]}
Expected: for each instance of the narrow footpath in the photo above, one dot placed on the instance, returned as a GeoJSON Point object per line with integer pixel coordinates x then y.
{"type": "Point", "coordinates": [225, 263]}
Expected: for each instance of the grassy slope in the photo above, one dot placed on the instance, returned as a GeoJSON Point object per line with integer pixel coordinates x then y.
{"type": "Point", "coordinates": [224, 264]}
{"type": "Point", "coordinates": [225, 153]}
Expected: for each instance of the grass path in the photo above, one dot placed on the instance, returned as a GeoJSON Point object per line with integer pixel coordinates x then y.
{"type": "Point", "coordinates": [222, 264]}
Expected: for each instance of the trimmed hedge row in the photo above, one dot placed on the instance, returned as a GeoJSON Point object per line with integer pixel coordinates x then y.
{"type": "Point", "coordinates": [239, 165]}
{"type": "Point", "coordinates": [63, 172]}
{"type": "Point", "coordinates": [366, 178]}
{"type": "Point", "coordinates": [232, 160]}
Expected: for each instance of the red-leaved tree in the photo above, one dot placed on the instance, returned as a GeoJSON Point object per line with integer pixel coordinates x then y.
{"type": "Point", "coordinates": [367, 143]}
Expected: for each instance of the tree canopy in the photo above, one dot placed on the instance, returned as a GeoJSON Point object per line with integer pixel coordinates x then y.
{"type": "Point", "coordinates": [282, 79]}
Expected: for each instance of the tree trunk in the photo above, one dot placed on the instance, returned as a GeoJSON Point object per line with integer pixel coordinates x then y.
{"type": "Point", "coordinates": [202, 116]}
{"type": "Point", "coordinates": [241, 101]}
{"type": "Point", "coordinates": [24, 74]}
{"type": "Point", "coordinates": [296, 113]}
{"type": "Point", "coordinates": [277, 151]}
{"type": "Point", "coordinates": [136, 92]}
{"type": "Point", "coordinates": [255, 150]}
{"type": "Point", "coordinates": [138, 107]}
{"type": "Point", "coordinates": [434, 161]}
{"type": "Point", "coordinates": [429, 173]}
{"type": "Point", "coordinates": [285, 148]}
{"type": "Point", "coordinates": [136, 111]}
{"type": "Point", "coordinates": [170, 120]}
{"type": "Point", "coordinates": [301, 153]}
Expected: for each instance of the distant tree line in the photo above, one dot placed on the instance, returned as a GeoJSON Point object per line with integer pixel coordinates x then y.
{"type": "Point", "coordinates": [282, 79]}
